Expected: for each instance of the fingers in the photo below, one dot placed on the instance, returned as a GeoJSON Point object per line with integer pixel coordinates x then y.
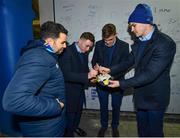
{"type": "Point", "coordinates": [113, 84]}
{"type": "Point", "coordinates": [104, 70]}
{"type": "Point", "coordinates": [93, 80]}
{"type": "Point", "coordinates": [92, 74]}
{"type": "Point", "coordinates": [101, 69]}
{"type": "Point", "coordinates": [96, 67]}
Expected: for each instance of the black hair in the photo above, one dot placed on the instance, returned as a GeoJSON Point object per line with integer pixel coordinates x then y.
{"type": "Point", "coordinates": [51, 29]}
{"type": "Point", "coordinates": [108, 30]}
{"type": "Point", "coordinates": [88, 36]}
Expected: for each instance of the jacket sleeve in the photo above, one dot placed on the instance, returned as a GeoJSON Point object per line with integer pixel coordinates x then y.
{"type": "Point", "coordinates": [162, 58]}
{"type": "Point", "coordinates": [21, 96]}
{"type": "Point", "coordinates": [67, 67]}
{"type": "Point", "coordinates": [123, 66]}
{"type": "Point", "coordinates": [95, 56]}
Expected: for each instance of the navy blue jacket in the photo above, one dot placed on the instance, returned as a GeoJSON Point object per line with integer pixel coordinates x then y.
{"type": "Point", "coordinates": [152, 72]}
{"type": "Point", "coordinates": [76, 76]}
{"type": "Point", "coordinates": [32, 92]}
{"type": "Point", "coordinates": [120, 53]}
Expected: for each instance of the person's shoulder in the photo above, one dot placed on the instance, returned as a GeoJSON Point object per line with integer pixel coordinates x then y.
{"type": "Point", "coordinates": [163, 38]}
{"type": "Point", "coordinates": [99, 44]}
{"type": "Point", "coordinates": [121, 42]}
{"type": "Point", "coordinates": [67, 52]}
{"type": "Point", "coordinates": [37, 55]}
{"type": "Point", "coordinates": [37, 52]}
{"type": "Point", "coordinates": [69, 48]}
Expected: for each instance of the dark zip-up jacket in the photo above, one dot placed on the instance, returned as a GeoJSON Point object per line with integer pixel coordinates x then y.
{"type": "Point", "coordinates": [32, 92]}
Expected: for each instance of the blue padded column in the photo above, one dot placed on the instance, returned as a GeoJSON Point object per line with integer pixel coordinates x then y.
{"type": "Point", "coordinates": [15, 30]}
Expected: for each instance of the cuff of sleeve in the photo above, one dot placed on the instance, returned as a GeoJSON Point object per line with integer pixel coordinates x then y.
{"type": "Point", "coordinates": [122, 84]}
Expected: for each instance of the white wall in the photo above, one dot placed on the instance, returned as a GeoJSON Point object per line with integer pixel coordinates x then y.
{"type": "Point", "coordinates": [90, 15]}
{"type": "Point", "coordinates": [46, 10]}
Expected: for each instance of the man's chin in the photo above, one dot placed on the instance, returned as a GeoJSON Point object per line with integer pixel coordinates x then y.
{"type": "Point", "coordinates": [60, 51]}
{"type": "Point", "coordinates": [108, 45]}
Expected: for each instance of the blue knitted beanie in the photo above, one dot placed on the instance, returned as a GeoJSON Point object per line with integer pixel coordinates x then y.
{"type": "Point", "coordinates": [141, 14]}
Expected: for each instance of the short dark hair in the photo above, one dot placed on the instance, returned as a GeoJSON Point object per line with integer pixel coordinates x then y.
{"type": "Point", "coordinates": [51, 29]}
{"type": "Point", "coordinates": [88, 36]}
{"type": "Point", "coordinates": [108, 30]}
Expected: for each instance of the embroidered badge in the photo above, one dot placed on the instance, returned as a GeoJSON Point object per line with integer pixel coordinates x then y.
{"type": "Point", "coordinates": [57, 66]}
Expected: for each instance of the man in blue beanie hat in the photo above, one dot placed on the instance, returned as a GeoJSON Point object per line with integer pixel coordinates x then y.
{"type": "Point", "coordinates": [141, 14]}
{"type": "Point", "coordinates": [152, 56]}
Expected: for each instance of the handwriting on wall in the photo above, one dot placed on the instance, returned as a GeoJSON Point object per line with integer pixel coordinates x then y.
{"type": "Point", "coordinates": [90, 15]}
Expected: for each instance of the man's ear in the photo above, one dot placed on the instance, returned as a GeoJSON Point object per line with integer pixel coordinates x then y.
{"type": "Point", "coordinates": [49, 41]}
{"type": "Point", "coordinates": [80, 41]}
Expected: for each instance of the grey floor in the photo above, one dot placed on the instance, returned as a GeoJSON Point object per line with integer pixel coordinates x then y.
{"type": "Point", "coordinates": [90, 123]}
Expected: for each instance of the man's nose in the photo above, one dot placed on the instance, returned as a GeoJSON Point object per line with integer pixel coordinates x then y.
{"type": "Point", "coordinates": [65, 45]}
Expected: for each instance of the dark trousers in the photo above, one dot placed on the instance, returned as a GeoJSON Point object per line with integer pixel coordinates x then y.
{"type": "Point", "coordinates": [115, 102]}
{"type": "Point", "coordinates": [150, 123]}
{"type": "Point", "coordinates": [73, 119]}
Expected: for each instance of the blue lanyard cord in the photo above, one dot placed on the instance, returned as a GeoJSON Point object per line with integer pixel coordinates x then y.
{"type": "Point", "coordinates": [48, 47]}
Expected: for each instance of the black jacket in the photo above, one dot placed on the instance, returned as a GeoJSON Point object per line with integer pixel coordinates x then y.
{"type": "Point", "coordinates": [75, 74]}
{"type": "Point", "coordinates": [152, 72]}
{"type": "Point", "coordinates": [120, 54]}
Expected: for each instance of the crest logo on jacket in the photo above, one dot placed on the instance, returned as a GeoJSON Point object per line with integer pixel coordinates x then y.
{"type": "Point", "coordinates": [57, 66]}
